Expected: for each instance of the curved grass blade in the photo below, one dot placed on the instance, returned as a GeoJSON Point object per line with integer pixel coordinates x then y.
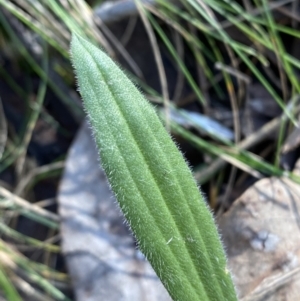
{"type": "Point", "coordinates": [152, 182]}
{"type": "Point", "coordinates": [7, 287]}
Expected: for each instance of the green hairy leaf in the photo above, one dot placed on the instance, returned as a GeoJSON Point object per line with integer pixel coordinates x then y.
{"type": "Point", "coordinates": [152, 182]}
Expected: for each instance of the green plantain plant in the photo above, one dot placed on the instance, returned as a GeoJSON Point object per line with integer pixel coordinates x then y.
{"type": "Point", "coordinates": [152, 182]}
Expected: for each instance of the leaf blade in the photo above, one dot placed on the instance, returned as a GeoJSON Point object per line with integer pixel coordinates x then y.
{"type": "Point", "coordinates": [153, 185]}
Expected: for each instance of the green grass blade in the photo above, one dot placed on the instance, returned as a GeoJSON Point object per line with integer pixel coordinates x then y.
{"type": "Point", "coordinates": [152, 182]}
{"type": "Point", "coordinates": [4, 229]}
{"type": "Point", "coordinates": [179, 61]}
{"type": "Point", "coordinates": [7, 287]}
{"type": "Point", "coordinates": [37, 68]}
{"type": "Point", "coordinates": [32, 272]}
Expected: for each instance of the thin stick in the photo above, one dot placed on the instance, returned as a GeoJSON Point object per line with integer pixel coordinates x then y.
{"type": "Point", "coordinates": [158, 60]}
{"type": "Point", "coordinates": [26, 205]}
